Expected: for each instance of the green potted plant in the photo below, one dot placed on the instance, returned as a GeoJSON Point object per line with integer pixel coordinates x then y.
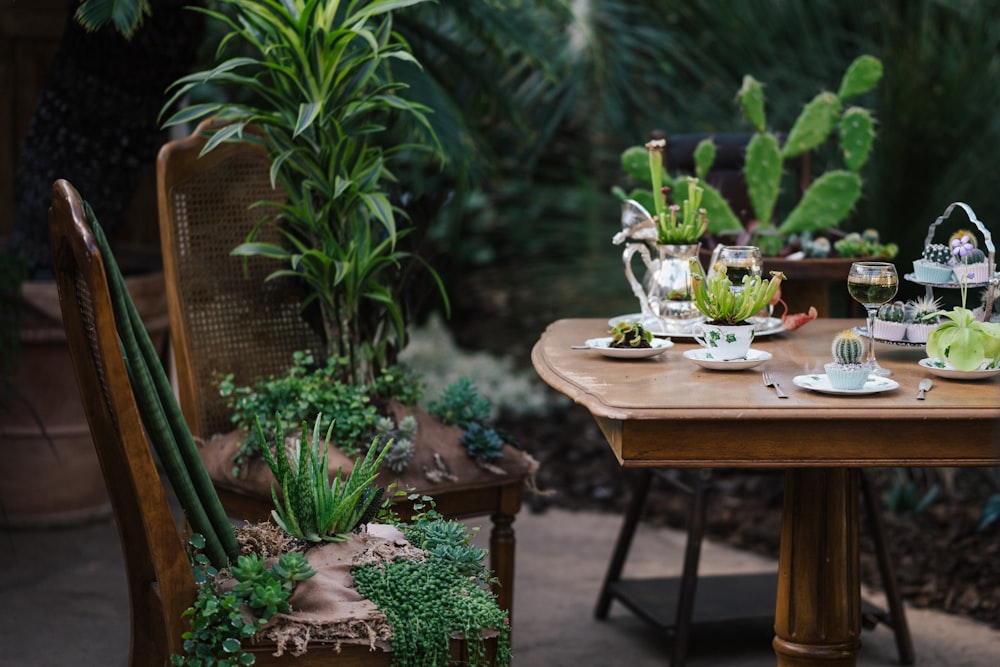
{"type": "Point", "coordinates": [322, 93]}
{"type": "Point", "coordinates": [725, 304]}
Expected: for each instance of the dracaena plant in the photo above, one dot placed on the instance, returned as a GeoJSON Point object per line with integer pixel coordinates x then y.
{"type": "Point", "coordinates": [317, 79]}
{"type": "Point", "coordinates": [311, 507]}
{"type": "Point", "coordinates": [715, 298]}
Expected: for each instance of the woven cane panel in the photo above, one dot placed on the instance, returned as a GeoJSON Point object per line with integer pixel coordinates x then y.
{"type": "Point", "coordinates": [235, 321]}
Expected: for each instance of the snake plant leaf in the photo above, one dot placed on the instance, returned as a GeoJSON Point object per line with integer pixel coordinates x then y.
{"type": "Point", "coordinates": [861, 76]}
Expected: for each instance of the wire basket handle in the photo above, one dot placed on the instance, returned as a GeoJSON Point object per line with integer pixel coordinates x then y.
{"type": "Point", "coordinates": [994, 285]}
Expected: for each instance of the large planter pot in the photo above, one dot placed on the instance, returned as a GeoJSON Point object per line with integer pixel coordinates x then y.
{"type": "Point", "coordinates": [50, 474]}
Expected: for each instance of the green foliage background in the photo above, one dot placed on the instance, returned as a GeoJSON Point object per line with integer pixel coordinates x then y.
{"type": "Point", "coordinates": [582, 81]}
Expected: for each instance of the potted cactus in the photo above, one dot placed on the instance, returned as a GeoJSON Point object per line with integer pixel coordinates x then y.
{"type": "Point", "coordinates": [847, 371]}
{"type": "Point", "coordinates": [921, 318]}
{"type": "Point", "coordinates": [890, 321]}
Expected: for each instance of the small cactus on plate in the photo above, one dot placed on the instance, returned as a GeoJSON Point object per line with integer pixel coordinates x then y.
{"type": "Point", "coordinates": [847, 371]}
{"type": "Point", "coordinates": [847, 348]}
{"type": "Point", "coordinates": [892, 312]}
{"type": "Point", "coordinates": [923, 310]}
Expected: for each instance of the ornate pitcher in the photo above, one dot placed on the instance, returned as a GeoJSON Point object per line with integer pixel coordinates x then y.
{"type": "Point", "coordinates": [665, 291]}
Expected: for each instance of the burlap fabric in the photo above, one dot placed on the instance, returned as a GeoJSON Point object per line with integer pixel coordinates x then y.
{"type": "Point", "coordinates": [440, 462]}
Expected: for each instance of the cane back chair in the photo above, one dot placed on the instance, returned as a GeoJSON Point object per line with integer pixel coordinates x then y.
{"type": "Point", "coordinates": [224, 317]}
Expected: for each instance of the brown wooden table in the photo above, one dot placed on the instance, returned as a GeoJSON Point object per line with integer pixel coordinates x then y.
{"type": "Point", "coordinates": [666, 412]}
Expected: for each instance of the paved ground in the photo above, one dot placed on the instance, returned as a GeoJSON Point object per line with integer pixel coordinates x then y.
{"type": "Point", "coordinates": [63, 602]}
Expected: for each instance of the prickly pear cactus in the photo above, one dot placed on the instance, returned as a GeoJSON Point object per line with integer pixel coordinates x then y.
{"type": "Point", "coordinates": [938, 253]}
{"type": "Point", "coordinates": [892, 312]}
{"type": "Point", "coordinates": [857, 134]}
{"type": "Point", "coordinates": [847, 347]}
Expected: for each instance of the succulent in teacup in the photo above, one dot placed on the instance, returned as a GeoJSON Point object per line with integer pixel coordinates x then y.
{"type": "Point", "coordinates": [892, 312]}
{"type": "Point", "coordinates": [847, 348]}
{"type": "Point", "coordinates": [923, 310]}
{"type": "Point", "coordinates": [630, 335]}
{"type": "Point", "coordinates": [937, 253]}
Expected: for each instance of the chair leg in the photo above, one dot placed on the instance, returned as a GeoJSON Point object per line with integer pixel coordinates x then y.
{"type": "Point", "coordinates": [689, 576]}
{"type": "Point", "coordinates": [641, 482]}
{"type": "Point", "coordinates": [904, 642]}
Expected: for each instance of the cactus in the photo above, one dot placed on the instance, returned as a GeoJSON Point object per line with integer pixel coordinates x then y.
{"type": "Point", "coordinates": [857, 134]}
{"type": "Point", "coordinates": [938, 253]}
{"type": "Point", "coordinates": [975, 256]}
{"type": "Point", "coordinates": [848, 348]}
{"type": "Point", "coordinates": [892, 312]}
{"type": "Point", "coordinates": [965, 236]}
{"type": "Point", "coordinates": [923, 310]}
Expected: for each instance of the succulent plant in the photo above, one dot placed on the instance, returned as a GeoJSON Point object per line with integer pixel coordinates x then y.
{"type": "Point", "coordinates": [923, 310]}
{"type": "Point", "coordinates": [938, 253]}
{"type": "Point", "coordinates": [892, 312]}
{"type": "Point", "coordinates": [848, 347]}
{"type": "Point", "coordinates": [630, 334]}
{"type": "Point", "coordinates": [722, 305]}
{"type": "Point", "coordinates": [483, 443]}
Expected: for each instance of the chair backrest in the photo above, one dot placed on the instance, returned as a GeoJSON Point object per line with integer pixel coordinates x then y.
{"type": "Point", "coordinates": [726, 174]}
{"type": "Point", "coordinates": [160, 580]}
{"type": "Point", "coordinates": [224, 316]}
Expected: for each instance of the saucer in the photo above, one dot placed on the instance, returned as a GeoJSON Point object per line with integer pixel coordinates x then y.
{"type": "Point", "coordinates": [703, 358]}
{"type": "Point", "coordinates": [603, 346]}
{"type": "Point", "coordinates": [873, 385]}
{"type": "Point", "coordinates": [938, 368]}
{"type": "Point", "coordinates": [771, 325]}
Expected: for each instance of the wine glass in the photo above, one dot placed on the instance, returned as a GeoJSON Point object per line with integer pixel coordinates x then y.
{"type": "Point", "coordinates": [740, 261]}
{"type": "Point", "coordinates": [871, 284]}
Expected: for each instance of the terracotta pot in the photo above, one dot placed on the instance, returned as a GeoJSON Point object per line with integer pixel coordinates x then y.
{"type": "Point", "coordinates": [50, 473]}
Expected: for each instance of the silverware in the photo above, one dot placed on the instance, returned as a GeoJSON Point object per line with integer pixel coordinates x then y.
{"type": "Point", "coordinates": [925, 385]}
{"type": "Point", "coordinates": [769, 381]}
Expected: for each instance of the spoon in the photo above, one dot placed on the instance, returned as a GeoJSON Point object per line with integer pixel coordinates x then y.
{"type": "Point", "coordinates": [925, 385]}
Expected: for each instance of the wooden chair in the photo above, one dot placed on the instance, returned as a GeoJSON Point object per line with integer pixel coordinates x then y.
{"type": "Point", "coordinates": [724, 597]}
{"type": "Point", "coordinates": [160, 579]}
{"type": "Point", "coordinates": [225, 319]}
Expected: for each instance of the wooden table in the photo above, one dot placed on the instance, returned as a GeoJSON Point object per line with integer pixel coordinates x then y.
{"type": "Point", "coordinates": [666, 412]}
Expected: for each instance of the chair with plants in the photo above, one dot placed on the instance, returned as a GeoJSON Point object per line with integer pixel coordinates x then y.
{"type": "Point", "coordinates": [289, 278]}
{"type": "Point", "coordinates": [249, 595]}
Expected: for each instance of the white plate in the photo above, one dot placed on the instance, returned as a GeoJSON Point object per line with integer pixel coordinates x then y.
{"type": "Point", "coordinates": [602, 345]}
{"type": "Point", "coordinates": [819, 382]}
{"type": "Point", "coordinates": [703, 358]}
{"type": "Point", "coordinates": [937, 368]}
{"type": "Point", "coordinates": [771, 325]}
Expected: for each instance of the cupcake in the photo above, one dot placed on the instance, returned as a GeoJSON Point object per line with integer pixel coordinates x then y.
{"type": "Point", "coordinates": [921, 318]}
{"type": "Point", "coordinates": [970, 261]}
{"type": "Point", "coordinates": [935, 265]}
{"type": "Point", "coordinates": [847, 372]}
{"type": "Point", "coordinates": [890, 322]}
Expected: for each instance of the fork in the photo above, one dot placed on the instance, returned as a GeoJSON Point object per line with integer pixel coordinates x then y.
{"type": "Point", "coordinates": [769, 381]}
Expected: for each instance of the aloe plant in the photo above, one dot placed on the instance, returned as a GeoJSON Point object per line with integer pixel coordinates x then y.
{"type": "Point", "coordinates": [311, 507]}
{"type": "Point", "coordinates": [319, 75]}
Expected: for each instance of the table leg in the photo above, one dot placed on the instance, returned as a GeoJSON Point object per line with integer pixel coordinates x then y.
{"type": "Point", "coordinates": [818, 614]}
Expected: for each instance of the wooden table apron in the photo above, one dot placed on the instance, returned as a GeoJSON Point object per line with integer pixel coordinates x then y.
{"type": "Point", "coordinates": [666, 412]}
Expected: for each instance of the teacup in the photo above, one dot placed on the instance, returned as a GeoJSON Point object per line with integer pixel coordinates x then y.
{"type": "Point", "coordinates": [722, 341]}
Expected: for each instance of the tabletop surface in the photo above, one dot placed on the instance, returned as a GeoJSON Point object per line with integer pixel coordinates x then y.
{"type": "Point", "coordinates": [665, 410]}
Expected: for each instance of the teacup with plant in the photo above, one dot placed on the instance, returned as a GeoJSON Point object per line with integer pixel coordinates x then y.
{"type": "Point", "coordinates": [847, 371]}
{"type": "Point", "coordinates": [725, 304]}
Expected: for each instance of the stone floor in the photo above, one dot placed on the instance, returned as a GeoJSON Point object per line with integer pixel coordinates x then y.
{"type": "Point", "coordinates": [64, 602]}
